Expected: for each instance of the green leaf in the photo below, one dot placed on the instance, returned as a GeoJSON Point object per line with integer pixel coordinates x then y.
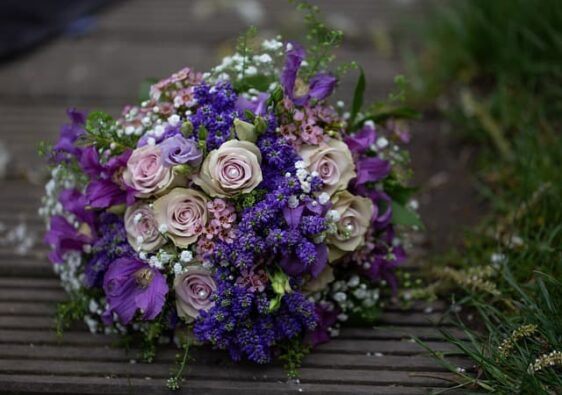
{"type": "Point", "coordinates": [402, 215]}
{"type": "Point", "coordinates": [383, 113]}
{"type": "Point", "coordinates": [358, 95]}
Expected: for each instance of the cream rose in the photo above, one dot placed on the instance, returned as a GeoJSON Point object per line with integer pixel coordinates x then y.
{"type": "Point", "coordinates": [194, 289]}
{"type": "Point", "coordinates": [232, 168]}
{"type": "Point", "coordinates": [333, 163]}
{"type": "Point", "coordinates": [182, 214]}
{"type": "Point", "coordinates": [354, 214]}
{"type": "Point", "coordinates": [146, 172]}
{"type": "Point", "coordinates": [142, 229]}
{"type": "Point", "coordinates": [321, 282]}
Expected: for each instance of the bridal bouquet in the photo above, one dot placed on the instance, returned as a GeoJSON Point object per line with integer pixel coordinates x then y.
{"type": "Point", "coordinates": [236, 208]}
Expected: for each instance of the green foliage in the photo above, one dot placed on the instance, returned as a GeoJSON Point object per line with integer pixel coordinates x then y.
{"type": "Point", "coordinates": [101, 131]}
{"type": "Point", "coordinates": [293, 353]}
{"type": "Point", "coordinates": [358, 94]}
{"type": "Point", "coordinates": [71, 311]}
{"type": "Point", "coordinates": [44, 149]}
{"type": "Point", "coordinates": [401, 215]}
{"type": "Point", "coordinates": [247, 200]}
{"type": "Point", "coordinates": [321, 40]}
{"type": "Point", "coordinates": [151, 335]}
{"type": "Point", "coordinates": [495, 65]}
{"type": "Point", "coordinates": [513, 347]}
{"type": "Point", "coordinates": [382, 111]}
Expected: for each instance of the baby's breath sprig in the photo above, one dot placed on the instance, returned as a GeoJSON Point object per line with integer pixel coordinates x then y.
{"type": "Point", "coordinates": [174, 382]}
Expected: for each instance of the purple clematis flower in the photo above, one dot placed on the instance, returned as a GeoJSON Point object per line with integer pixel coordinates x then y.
{"type": "Point", "coordinates": [69, 133]}
{"type": "Point", "coordinates": [178, 150]}
{"type": "Point", "coordinates": [130, 285]}
{"type": "Point", "coordinates": [327, 316]}
{"type": "Point", "coordinates": [320, 86]}
{"type": "Point", "coordinates": [106, 187]}
{"type": "Point", "coordinates": [63, 237]}
{"type": "Point", "coordinates": [361, 141]}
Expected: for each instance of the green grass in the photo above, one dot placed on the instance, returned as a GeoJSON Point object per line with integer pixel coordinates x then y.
{"type": "Point", "coordinates": [494, 69]}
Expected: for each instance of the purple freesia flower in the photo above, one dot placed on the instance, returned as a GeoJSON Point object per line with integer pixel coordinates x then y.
{"type": "Point", "coordinates": [179, 150]}
{"type": "Point", "coordinates": [361, 141]}
{"type": "Point", "coordinates": [69, 133]}
{"type": "Point", "coordinates": [106, 187]}
{"type": "Point", "coordinates": [64, 237]}
{"type": "Point", "coordinates": [320, 86]}
{"type": "Point", "coordinates": [130, 285]}
{"type": "Point", "coordinates": [327, 316]}
{"type": "Point", "coordinates": [371, 170]}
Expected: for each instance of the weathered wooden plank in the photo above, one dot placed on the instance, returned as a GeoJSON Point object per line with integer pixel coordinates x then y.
{"type": "Point", "coordinates": [238, 372]}
{"type": "Point", "coordinates": [204, 355]}
{"type": "Point", "coordinates": [31, 283]}
{"type": "Point", "coordinates": [111, 385]}
{"type": "Point", "coordinates": [348, 346]}
{"type": "Point", "coordinates": [46, 322]}
{"type": "Point", "coordinates": [392, 347]}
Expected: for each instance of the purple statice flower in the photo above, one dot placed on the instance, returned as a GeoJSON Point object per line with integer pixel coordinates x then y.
{"type": "Point", "coordinates": [69, 133]}
{"type": "Point", "coordinates": [320, 86]}
{"type": "Point", "coordinates": [177, 150]}
{"type": "Point", "coordinates": [132, 286]}
{"type": "Point", "coordinates": [216, 112]}
{"type": "Point", "coordinates": [240, 321]}
{"type": "Point", "coordinates": [327, 315]}
{"type": "Point", "coordinates": [111, 244]}
{"type": "Point", "coordinates": [360, 141]}
{"type": "Point", "coordinates": [63, 237]}
{"type": "Point", "coordinates": [106, 187]}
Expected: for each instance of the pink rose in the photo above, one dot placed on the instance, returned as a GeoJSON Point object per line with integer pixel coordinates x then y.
{"type": "Point", "coordinates": [142, 229]}
{"type": "Point", "coordinates": [333, 163]}
{"type": "Point", "coordinates": [354, 214]}
{"type": "Point", "coordinates": [231, 169]}
{"type": "Point", "coordinates": [194, 289]}
{"type": "Point", "coordinates": [146, 171]}
{"type": "Point", "coordinates": [182, 214]}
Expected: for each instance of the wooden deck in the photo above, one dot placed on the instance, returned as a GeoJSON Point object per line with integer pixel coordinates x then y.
{"type": "Point", "coordinates": [102, 69]}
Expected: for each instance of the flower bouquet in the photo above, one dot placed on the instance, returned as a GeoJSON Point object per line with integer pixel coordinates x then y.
{"type": "Point", "coordinates": [236, 208]}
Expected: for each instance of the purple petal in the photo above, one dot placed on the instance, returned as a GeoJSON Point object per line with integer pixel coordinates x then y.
{"type": "Point", "coordinates": [321, 260]}
{"type": "Point", "coordinates": [293, 215]}
{"type": "Point", "coordinates": [371, 170]}
{"type": "Point", "coordinates": [293, 61]}
{"type": "Point", "coordinates": [104, 194]}
{"type": "Point", "coordinates": [322, 85]}
{"type": "Point", "coordinates": [362, 140]}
